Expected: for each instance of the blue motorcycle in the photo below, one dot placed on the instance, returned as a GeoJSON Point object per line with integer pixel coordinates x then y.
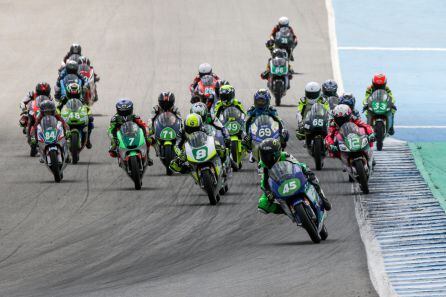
{"type": "Point", "coordinates": [299, 199]}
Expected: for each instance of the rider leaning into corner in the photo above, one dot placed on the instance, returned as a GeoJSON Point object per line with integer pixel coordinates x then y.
{"type": "Point", "coordinates": [343, 114]}
{"type": "Point", "coordinates": [284, 22]}
{"type": "Point", "coordinates": [271, 153]}
{"type": "Point", "coordinates": [379, 82]}
{"type": "Point", "coordinates": [193, 123]}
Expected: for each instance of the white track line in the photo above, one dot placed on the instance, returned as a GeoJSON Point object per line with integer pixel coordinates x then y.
{"type": "Point", "coordinates": [420, 127]}
{"type": "Point", "coordinates": [337, 75]}
{"type": "Point", "coordinates": [395, 49]}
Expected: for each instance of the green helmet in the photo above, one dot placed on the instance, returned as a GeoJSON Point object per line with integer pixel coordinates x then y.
{"type": "Point", "coordinates": [227, 94]}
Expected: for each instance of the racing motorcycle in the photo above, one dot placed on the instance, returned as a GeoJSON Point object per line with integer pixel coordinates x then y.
{"type": "Point", "coordinates": [52, 145]}
{"type": "Point", "coordinates": [205, 91]}
{"type": "Point", "coordinates": [298, 199]}
{"type": "Point", "coordinates": [132, 152]}
{"type": "Point", "coordinates": [263, 127]}
{"type": "Point", "coordinates": [278, 81]}
{"type": "Point", "coordinates": [68, 80]}
{"type": "Point", "coordinates": [33, 108]}
{"type": "Point", "coordinates": [316, 127]}
{"type": "Point", "coordinates": [284, 40]}
{"type": "Point", "coordinates": [90, 92]}
{"type": "Point", "coordinates": [379, 109]}
{"type": "Point", "coordinates": [207, 168]}
{"type": "Point", "coordinates": [234, 121]}
{"type": "Point", "coordinates": [356, 154]}
{"type": "Point", "coordinates": [167, 127]}
{"type": "Point", "coordinates": [75, 114]}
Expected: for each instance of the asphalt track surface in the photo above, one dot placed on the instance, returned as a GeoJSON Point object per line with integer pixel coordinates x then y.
{"type": "Point", "coordinates": [93, 235]}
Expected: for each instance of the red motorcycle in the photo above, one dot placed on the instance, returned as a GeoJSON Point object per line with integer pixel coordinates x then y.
{"type": "Point", "coordinates": [90, 92]}
{"type": "Point", "coordinates": [33, 108]}
{"type": "Point", "coordinates": [205, 91]}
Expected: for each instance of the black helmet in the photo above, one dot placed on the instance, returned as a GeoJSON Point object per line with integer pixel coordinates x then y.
{"type": "Point", "coordinates": [166, 100]}
{"type": "Point", "coordinates": [43, 88]}
{"type": "Point", "coordinates": [270, 150]}
{"type": "Point", "coordinates": [124, 107]}
{"type": "Point", "coordinates": [72, 67]}
{"type": "Point", "coordinates": [48, 107]}
{"type": "Point", "coordinates": [349, 100]}
{"type": "Point", "coordinates": [329, 88]}
{"type": "Point", "coordinates": [76, 49]}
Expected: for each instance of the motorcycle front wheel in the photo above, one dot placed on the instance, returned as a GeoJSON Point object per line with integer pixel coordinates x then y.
{"type": "Point", "coordinates": [307, 222]}
{"type": "Point", "coordinates": [207, 180]}
{"type": "Point", "coordinates": [135, 172]}
{"type": "Point", "coordinates": [362, 176]}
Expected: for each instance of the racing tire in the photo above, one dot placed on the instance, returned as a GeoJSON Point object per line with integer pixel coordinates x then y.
{"type": "Point", "coordinates": [168, 157]}
{"type": "Point", "coordinates": [362, 176]}
{"type": "Point", "coordinates": [33, 150]}
{"type": "Point", "coordinates": [55, 169]}
{"type": "Point", "coordinates": [380, 134]}
{"type": "Point", "coordinates": [318, 147]}
{"type": "Point", "coordinates": [324, 233]}
{"type": "Point", "coordinates": [135, 172]}
{"type": "Point", "coordinates": [236, 164]}
{"type": "Point", "coordinates": [207, 181]}
{"type": "Point", "coordinates": [307, 223]}
{"type": "Point", "coordinates": [278, 98]}
{"type": "Point", "coordinates": [74, 148]}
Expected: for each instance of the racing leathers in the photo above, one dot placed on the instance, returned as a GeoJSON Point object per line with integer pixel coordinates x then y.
{"type": "Point", "coordinates": [253, 113]}
{"type": "Point", "coordinates": [156, 111]}
{"type": "Point", "coordinates": [220, 107]}
{"type": "Point", "coordinates": [23, 122]}
{"type": "Point", "coordinates": [303, 108]}
{"type": "Point", "coordinates": [270, 42]}
{"type": "Point", "coordinates": [266, 202]}
{"type": "Point", "coordinates": [333, 131]}
{"type": "Point", "coordinates": [115, 124]}
{"type": "Point", "coordinates": [180, 164]}
{"type": "Point", "coordinates": [196, 81]}
{"type": "Point", "coordinates": [60, 80]}
{"type": "Point", "coordinates": [369, 91]}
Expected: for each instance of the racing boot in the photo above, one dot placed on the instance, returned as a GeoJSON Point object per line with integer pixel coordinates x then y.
{"type": "Point", "coordinates": [327, 204]}
{"type": "Point", "coordinates": [391, 131]}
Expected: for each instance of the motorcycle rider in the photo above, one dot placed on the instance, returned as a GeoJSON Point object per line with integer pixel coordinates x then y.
{"type": "Point", "coordinates": [379, 82]}
{"type": "Point", "coordinates": [312, 96]}
{"type": "Point", "coordinates": [329, 89]}
{"type": "Point", "coordinates": [201, 109]}
{"type": "Point", "coordinates": [42, 89]}
{"type": "Point", "coordinates": [192, 123]}
{"type": "Point", "coordinates": [203, 69]}
{"type": "Point", "coordinates": [124, 113]}
{"type": "Point", "coordinates": [277, 53]}
{"type": "Point", "coordinates": [271, 153]}
{"type": "Point", "coordinates": [72, 67]}
{"type": "Point", "coordinates": [75, 49]}
{"type": "Point", "coordinates": [166, 103]}
{"type": "Point", "coordinates": [262, 106]}
{"type": "Point", "coordinates": [341, 115]}
{"type": "Point", "coordinates": [227, 99]}
{"type": "Point", "coordinates": [219, 84]}
{"type": "Point", "coordinates": [283, 23]}
{"type": "Point", "coordinates": [350, 100]}
{"type": "Point", "coordinates": [48, 108]}
{"type": "Point", "coordinates": [74, 91]}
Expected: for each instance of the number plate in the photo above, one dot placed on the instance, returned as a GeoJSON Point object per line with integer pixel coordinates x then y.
{"type": "Point", "coordinates": [289, 187]}
{"type": "Point", "coordinates": [50, 135]}
{"type": "Point", "coordinates": [200, 154]}
{"type": "Point", "coordinates": [233, 127]}
{"type": "Point", "coordinates": [168, 134]}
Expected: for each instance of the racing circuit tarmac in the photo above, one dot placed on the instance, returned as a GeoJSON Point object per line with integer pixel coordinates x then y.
{"type": "Point", "coordinates": [93, 235]}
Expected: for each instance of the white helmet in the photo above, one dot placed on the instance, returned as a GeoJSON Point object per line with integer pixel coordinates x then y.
{"type": "Point", "coordinates": [312, 90]}
{"type": "Point", "coordinates": [342, 114]}
{"type": "Point", "coordinates": [284, 21]}
{"type": "Point", "coordinates": [204, 69]}
{"type": "Point", "coordinates": [201, 109]}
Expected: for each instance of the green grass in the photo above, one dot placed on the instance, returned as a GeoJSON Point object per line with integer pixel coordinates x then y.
{"type": "Point", "coordinates": [430, 158]}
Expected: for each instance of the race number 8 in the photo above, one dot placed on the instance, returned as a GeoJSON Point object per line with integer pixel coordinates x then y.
{"type": "Point", "coordinates": [200, 154]}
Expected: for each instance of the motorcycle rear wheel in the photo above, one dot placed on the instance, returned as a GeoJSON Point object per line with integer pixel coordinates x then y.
{"type": "Point", "coordinates": [362, 176]}
{"type": "Point", "coordinates": [307, 222]}
{"type": "Point", "coordinates": [135, 172]}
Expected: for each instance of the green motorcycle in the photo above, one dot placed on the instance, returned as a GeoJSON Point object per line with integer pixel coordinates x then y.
{"type": "Point", "coordinates": [132, 152]}
{"type": "Point", "coordinates": [75, 114]}
{"type": "Point", "coordinates": [234, 121]}
{"type": "Point", "coordinates": [379, 115]}
{"type": "Point", "coordinates": [207, 168]}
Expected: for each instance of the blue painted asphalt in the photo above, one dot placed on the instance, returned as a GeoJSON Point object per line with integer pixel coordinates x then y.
{"type": "Point", "coordinates": [417, 79]}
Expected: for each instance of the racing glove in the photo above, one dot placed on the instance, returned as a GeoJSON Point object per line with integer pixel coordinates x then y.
{"type": "Point", "coordinates": [269, 195]}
